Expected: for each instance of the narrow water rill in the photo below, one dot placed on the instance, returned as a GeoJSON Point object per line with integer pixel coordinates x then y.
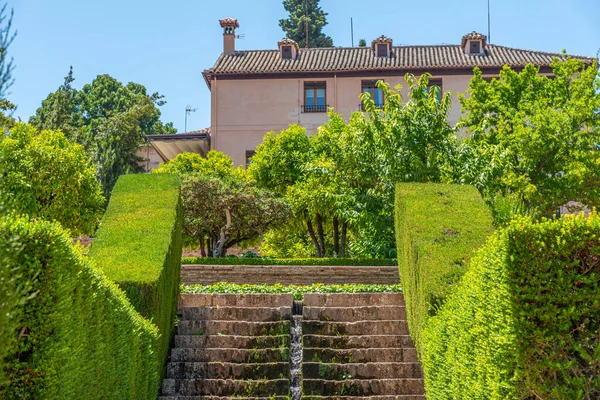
{"type": "Point", "coordinates": [296, 352]}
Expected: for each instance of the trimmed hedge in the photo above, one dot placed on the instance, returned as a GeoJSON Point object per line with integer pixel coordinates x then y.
{"type": "Point", "coordinates": [350, 262]}
{"type": "Point", "coordinates": [437, 228]}
{"type": "Point", "coordinates": [74, 334]}
{"type": "Point", "coordinates": [296, 290]}
{"type": "Point", "coordinates": [525, 321]}
{"type": "Point", "coordinates": [138, 246]}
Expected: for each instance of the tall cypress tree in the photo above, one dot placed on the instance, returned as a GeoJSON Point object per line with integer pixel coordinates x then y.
{"type": "Point", "coordinates": [295, 25]}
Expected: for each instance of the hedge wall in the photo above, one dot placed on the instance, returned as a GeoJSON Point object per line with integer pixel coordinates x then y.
{"type": "Point", "coordinates": [138, 246]}
{"type": "Point", "coordinates": [525, 321]}
{"type": "Point", "coordinates": [73, 333]}
{"type": "Point", "coordinates": [290, 261]}
{"type": "Point", "coordinates": [437, 228]}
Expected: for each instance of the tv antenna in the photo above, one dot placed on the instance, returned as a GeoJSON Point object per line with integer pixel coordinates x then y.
{"type": "Point", "coordinates": [188, 111]}
{"type": "Point", "coordinates": [241, 36]}
{"type": "Point", "coordinates": [489, 38]}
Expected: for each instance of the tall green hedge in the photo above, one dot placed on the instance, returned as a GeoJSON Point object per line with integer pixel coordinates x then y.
{"type": "Point", "coordinates": [138, 246]}
{"type": "Point", "coordinates": [438, 227]}
{"type": "Point", "coordinates": [525, 321]}
{"type": "Point", "coordinates": [73, 333]}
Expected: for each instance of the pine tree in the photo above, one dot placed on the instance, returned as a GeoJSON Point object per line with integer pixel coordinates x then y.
{"type": "Point", "coordinates": [295, 25]}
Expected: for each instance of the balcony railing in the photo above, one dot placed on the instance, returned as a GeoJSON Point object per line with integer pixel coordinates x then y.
{"type": "Point", "coordinates": [315, 109]}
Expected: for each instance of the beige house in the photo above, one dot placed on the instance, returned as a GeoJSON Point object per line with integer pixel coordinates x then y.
{"type": "Point", "coordinates": [256, 91]}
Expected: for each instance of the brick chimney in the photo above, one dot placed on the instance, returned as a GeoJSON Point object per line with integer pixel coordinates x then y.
{"type": "Point", "coordinates": [229, 26]}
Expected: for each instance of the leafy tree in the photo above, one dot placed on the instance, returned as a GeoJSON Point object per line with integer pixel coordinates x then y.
{"type": "Point", "coordinates": [534, 138]}
{"type": "Point", "coordinates": [362, 43]}
{"type": "Point", "coordinates": [215, 165]}
{"type": "Point", "coordinates": [44, 175]}
{"type": "Point", "coordinates": [295, 25]}
{"type": "Point", "coordinates": [227, 213]}
{"type": "Point", "coordinates": [108, 118]}
{"type": "Point", "coordinates": [6, 68]}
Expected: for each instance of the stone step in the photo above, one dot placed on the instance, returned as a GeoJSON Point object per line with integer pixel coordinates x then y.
{"type": "Point", "coordinates": [233, 328]}
{"type": "Point", "coordinates": [232, 341]}
{"type": "Point", "coordinates": [343, 356]}
{"type": "Point", "coordinates": [287, 274]}
{"type": "Point", "coordinates": [392, 397]}
{"type": "Point", "coordinates": [357, 342]}
{"type": "Point", "coordinates": [225, 387]}
{"type": "Point", "coordinates": [353, 299]}
{"type": "Point", "coordinates": [357, 313]}
{"type": "Point", "coordinates": [355, 387]}
{"type": "Point", "coordinates": [231, 355]}
{"type": "Point", "coordinates": [355, 328]}
{"type": "Point", "coordinates": [374, 370]}
{"type": "Point", "coordinates": [236, 313]}
{"type": "Point", "coordinates": [223, 370]}
{"type": "Point", "coordinates": [240, 300]}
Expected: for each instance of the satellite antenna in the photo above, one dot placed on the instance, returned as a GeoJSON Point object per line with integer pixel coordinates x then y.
{"type": "Point", "coordinates": [188, 110]}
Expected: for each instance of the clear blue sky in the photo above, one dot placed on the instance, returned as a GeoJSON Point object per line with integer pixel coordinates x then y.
{"type": "Point", "coordinates": [165, 45]}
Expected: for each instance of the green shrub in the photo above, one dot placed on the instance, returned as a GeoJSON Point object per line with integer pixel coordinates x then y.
{"type": "Point", "coordinates": [437, 228]}
{"type": "Point", "coordinates": [74, 334]}
{"type": "Point", "coordinates": [138, 246]}
{"type": "Point", "coordinates": [297, 291]}
{"type": "Point", "coordinates": [525, 321]}
{"type": "Point", "coordinates": [350, 262]}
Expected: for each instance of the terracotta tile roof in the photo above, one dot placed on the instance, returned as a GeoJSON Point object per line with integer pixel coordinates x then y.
{"type": "Point", "coordinates": [339, 59]}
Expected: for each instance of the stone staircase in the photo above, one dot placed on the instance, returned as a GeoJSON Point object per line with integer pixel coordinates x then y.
{"type": "Point", "coordinates": [344, 346]}
{"type": "Point", "coordinates": [230, 346]}
{"type": "Point", "coordinates": [357, 346]}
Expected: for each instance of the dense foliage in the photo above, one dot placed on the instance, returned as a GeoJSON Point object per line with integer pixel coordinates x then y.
{"type": "Point", "coordinates": [524, 322]}
{"type": "Point", "coordinates": [44, 175]}
{"type": "Point", "coordinates": [289, 261]}
{"type": "Point", "coordinates": [138, 246]}
{"type": "Point", "coordinates": [295, 25]}
{"type": "Point", "coordinates": [68, 332]}
{"type": "Point", "coordinates": [221, 208]}
{"type": "Point", "coordinates": [109, 119]}
{"type": "Point", "coordinates": [438, 226]}
{"type": "Point", "coordinates": [534, 138]}
{"type": "Point", "coordinates": [297, 291]}
{"type": "Point", "coordinates": [340, 181]}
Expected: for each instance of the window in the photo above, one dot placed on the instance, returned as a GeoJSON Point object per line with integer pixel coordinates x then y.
{"type": "Point", "coordinates": [437, 84]}
{"type": "Point", "coordinates": [474, 47]}
{"type": "Point", "coordinates": [249, 155]}
{"type": "Point", "coordinates": [286, 52]}
{"type": "Point", "coordinates": [315, 96]}
{"type": "Point", "coordinates": [382, 50]}
{"type": "Point", "coordinates": [375, 92]}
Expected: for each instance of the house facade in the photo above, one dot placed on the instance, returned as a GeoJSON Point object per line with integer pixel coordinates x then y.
{"type": "Point", "coordinates": [257, 91]}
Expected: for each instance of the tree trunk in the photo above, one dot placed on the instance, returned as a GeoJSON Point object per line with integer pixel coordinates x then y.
{"type": "Point", "coordinates": [343, 245]}
{"type": "Point", "coordinates": [223, 236]}
{"type": "Point", "coordinates": [311, 232]}
{"type": "Point", "coordinates": [321, 234]}
{"type": "Point", "coordinates": [202, 246]}
{"type": "Point", "coordinates": [336, 236]}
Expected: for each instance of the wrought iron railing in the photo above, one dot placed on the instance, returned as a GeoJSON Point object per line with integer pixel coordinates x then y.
{"type": "Point", "coordinates": [315, 109]}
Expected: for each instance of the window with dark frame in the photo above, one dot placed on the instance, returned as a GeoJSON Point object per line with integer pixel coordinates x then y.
{"type": "Point", "coordinates": [249, 155]}
{"type": "Point", "coordinates": [436, 83]}
{"type": "Point", "coordinates": [286, 52]}
{"type": "Point", "coordinates": [375, 92]}
{"type": "Point", "coordinates": [315, 97]}
{"type": "Point", "coordinates": [475, 47]}
{"type": "Point", "coordinates": [382, 50]}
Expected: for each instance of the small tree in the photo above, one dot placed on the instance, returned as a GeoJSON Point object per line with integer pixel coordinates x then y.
{"type": "Point", "coordinates": [44, 175]}
{"type": "Point", "coordinates": [362, 43]}
{"type": "Point", "coordinates": [295, 25]}
{"type": "Point", "coordinates": [222, 214]}
{"type": "Point", "coordinates": [534, 138]}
